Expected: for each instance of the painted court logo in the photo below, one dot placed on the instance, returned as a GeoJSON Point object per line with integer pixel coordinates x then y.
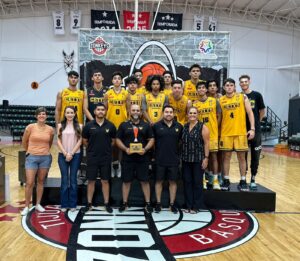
{"type": "Point", "coordinates": [135, 235]}
{"type": "Point", "coordinates": [99, 46]}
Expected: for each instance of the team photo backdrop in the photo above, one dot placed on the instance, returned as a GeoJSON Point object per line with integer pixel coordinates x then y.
{"type": "Point", "coordinates": [153, 52]}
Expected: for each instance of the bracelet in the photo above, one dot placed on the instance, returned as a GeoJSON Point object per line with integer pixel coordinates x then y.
{"type": "Point", "coordinates": [206, 157]}
{"type": "Point", "coordinates": [252, 129]}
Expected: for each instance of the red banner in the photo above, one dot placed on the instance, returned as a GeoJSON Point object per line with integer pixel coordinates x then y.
{"type": "Point", "coordinates": [143, 20]}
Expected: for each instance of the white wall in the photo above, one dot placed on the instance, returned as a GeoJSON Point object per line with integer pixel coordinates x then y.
{"type": "Point", "coordinates": [29, 51]}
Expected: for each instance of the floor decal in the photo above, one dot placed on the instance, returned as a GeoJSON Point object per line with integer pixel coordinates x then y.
{"type": "Point", "coordinates": [136, 235]}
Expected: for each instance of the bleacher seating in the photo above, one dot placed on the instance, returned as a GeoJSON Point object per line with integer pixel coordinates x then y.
{"type": "Point", "coordinates": [265, 126]}
{"type": "Point", "coordinates": [294, 142]}
{"type": "Point", "coordinates": [17, 117]}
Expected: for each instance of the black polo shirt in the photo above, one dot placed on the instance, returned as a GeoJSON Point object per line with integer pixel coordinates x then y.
{"type": "Point", "coordinates": [167, 143]}
{"type": "Point", "coordinates": [126, 135]}
{"type": "Point", "coordinates": [99, 138]}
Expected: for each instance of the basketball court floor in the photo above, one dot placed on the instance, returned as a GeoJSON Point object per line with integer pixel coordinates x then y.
{"type": "Point", "coordinates": [268, 236]}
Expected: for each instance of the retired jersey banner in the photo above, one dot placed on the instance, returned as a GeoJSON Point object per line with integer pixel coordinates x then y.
{"type": "Point", "coordinates": [58, 22]}
{"type": "Point", "coordinates": [198, 22]}
{"type": "Point", "coordinates": [75, 16]}
{"type": "Point", "coordinates": [212, 24]}
{"type": "Point", "coordinates": [143, 20]}
{"type": "Point", "coordinates": [104, 19]}
{"type": "Point", "coordinates": [168, 21]}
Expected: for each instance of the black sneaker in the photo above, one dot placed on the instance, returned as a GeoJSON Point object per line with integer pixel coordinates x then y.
{"type": "Point", "coordinates": [87, 208]}
{"type": "Point", "coordinates": [148, 208]}
{"type": "Point", "coordinates": [242, 186]}
{"type": "Point", "coordinates": [123, 207]}
{"type": "Point", "coordinates": [157, 208]}
{"type": "Point", "coordinates": [173, 209]}
{"type": "Point", "coordinates": [108, 208]}
{"type": "Point", "coordinates": [225, 185]}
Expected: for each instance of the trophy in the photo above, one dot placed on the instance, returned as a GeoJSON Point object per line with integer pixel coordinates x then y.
{"type": "Point", "coordinates": [135, 147]}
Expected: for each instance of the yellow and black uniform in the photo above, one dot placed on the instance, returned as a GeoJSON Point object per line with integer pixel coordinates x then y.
{"type": "Point", "coordinates": [72, 98]}
{"type": "Point", "coordinates": [136, 98]}
{"type": "Point", "coordinates": [208, 110]}
{"type": "Point", "coordinates": [179, 108]}
{"type": "Point", "coordinates": [141, 90]}
{"type": "Point", "coordinates": [95, 97]}
{"type": "Point", "coordinates": [167, 92]}
{"type": "Point", "coordinates": [190, 90]}
{"type": "Point", "coordinates": [233, 126]}
{"type": "Point", "coordinates": [154, 105]}
{"type": "Point", "coordinates": [116, 102]}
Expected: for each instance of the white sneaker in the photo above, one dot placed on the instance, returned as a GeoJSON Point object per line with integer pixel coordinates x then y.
{"type": "Point", "coordinates": [63, 209]}
{"type": "Point", "coordinates": [119, 171]}
{"type": "Point", "coordinates": [25, 211]}
{"type": "Point", "coordinates": [39, 208]}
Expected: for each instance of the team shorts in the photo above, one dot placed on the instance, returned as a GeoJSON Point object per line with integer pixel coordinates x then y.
{"type": "Point", "coordinates": [93, 171]}
{"type": "Point", "coordinates": [237, 143]}
{"type": "Point", "coordinates": [213, 145]}
{"type": "Point", "coordinates": [38, 161]}
{"type": "Point", "coordinates": [131, 170]}
{"type": "Point", "coordinates": [169, 173]}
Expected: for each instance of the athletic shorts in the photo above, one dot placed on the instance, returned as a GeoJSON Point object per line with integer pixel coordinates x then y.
{"type": "Point", "coordinates": [237, 143]}
{"type": "Point", "coordinates": [38, 162]}
{"type": "Point", "coordinates": [169, 173]}
{"type": "Point", "coordinates": [131, 170]}
{"type": "Point", "coordinates": [213, 145]}
{"type": "Point", "coordinates": [93, 171]}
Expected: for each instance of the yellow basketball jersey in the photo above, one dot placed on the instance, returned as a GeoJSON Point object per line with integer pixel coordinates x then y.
{"type": "Point", "coordinates": [167, 92]}
{"type": "Point", "coordinates": [155, 105]}
{"type": "Point", "coordinates": [136, 98]}
{"type": "Point", "coordinates": [233, 115]}
{"type": "Point", "coordinates": [141, 90]}
{"type": "Point", "coordinates": [72, 98]}
{"type": "Point", "coordinates": [208, 115]}
{"type": "Point", "coordinates": [179, 108]}
{"type": "Point", "coordinates": [116, 112]}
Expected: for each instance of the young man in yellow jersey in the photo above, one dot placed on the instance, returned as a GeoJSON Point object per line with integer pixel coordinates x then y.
{"type": "Point", "coordinates": [190, 90]}
{"type": "Point", "coordinates": [133, 96]}
{"type": "Point", "coordinates": [154, 100]}
{"type": "Point", "coordinates": [70, 96]}
{"type": "Point", "coordinates": [139, 75]}
{"type": "Point", "coordinates": [116, 100]}
{"type": "Point", "coordinates": [212, 89]}
{"type": "Point", "coordinates": [168, 78]}
{"type": "Point", "coordinates": [209, 113]}
{"type": "Point", "coordinates": [233, 131]}
{"type": "Point", "coordinates": [179, 102]}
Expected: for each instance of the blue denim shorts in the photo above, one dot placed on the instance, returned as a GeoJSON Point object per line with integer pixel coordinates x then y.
{"type": "Point", "coordinates": [38, 162]}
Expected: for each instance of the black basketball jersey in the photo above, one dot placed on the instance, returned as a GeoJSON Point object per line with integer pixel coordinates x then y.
{"type": "Point", "coordinates": [95, 97]}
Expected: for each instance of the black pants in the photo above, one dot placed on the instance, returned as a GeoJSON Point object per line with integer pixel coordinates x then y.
{"type": "Point", "coordinates": [192, 175]}
{"type": "Point", "coordinates": [255, 149]}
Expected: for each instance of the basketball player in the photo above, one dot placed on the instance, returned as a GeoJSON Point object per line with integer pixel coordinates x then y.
{"type": "Point", "coordinates": [179, 102]}
{"type": "Point", "coordinates": [258, 108]}
{"type": "Point", "coordinates": [154, 100]}
{"type": "Point", "coordinates": [133, 96]}
{"type": "Point", "coordinates": [213, 88]}
{"type": "Point", "coordinates": [209, 113]}
{"type": "Point", "coordinates": [167, 135]}
{"type": "Point", "coordinates": [233, 131]}
{"type": "Point", "coordinates": [168, 77]}
{"type": "Point", "coordinates": [135, 164]}
{"type": "Point", "coordinates": [116, 100]}
{"type": "Point", "coordinates": [70, 96]}
{"type": "Point", "coordinates": [94, 95]}
{"type": "Point", "coordinates": [99, 137]}
{"type": "Point", "coordinates": [139, 75]}
{"type": "Point", "coordinates": [190, 90]}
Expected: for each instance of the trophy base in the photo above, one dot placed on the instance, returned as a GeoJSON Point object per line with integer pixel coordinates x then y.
{"type": "Point", "coordinates": [135, 147]}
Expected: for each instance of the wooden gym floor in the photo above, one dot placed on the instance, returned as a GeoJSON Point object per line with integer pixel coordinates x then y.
{"type": "Point", "coordinates": [278, 237]}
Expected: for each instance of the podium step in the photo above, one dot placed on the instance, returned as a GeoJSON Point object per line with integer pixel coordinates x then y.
{"type": "Point", "coordinates": [262, 200]}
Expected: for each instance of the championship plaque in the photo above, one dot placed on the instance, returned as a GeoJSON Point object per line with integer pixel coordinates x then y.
{"type": "Point", "coordinates": [135, 147]}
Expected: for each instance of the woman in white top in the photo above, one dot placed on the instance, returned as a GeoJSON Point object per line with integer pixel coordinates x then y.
{"type": "Point", "coordinates": [69, 142]}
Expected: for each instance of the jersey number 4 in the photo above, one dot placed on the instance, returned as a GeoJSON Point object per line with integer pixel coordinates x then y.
{"type": "Point", "coordinates": [231, 115]}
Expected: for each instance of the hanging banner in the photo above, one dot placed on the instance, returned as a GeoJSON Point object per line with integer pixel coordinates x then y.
{"type": "Point", "coordinates": [168, 21]}
{"type": "Point", "coordinates": [75, 16]}
{"type": "Point", "coordinates": [58, 22]}
{"type": "Point", "coordinates": [198, 22]}
{"type": "Point", "coordinates": [143, 20]}
{"type": "Point", "coordinates": [104, 19]}
{"type": "Point", "coordinates": [212, 24]}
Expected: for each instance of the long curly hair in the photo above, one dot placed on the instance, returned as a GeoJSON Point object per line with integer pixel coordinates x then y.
{"type": "Point", "coordinates": [151, 78]}
{"type": "Point", "coordinates": [76, 125]}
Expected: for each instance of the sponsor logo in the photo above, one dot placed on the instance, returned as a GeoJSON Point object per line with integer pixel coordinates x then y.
{"type": "Point", "coordinates": [206, 49]}
{"type": "Point", "coordinates": [99, 46]}
{"type": "Point", "coordinates": [133, 234]}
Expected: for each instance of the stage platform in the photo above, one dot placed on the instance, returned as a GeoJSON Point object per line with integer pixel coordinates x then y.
{"type": "Point", "coordinates": [262, 200]}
